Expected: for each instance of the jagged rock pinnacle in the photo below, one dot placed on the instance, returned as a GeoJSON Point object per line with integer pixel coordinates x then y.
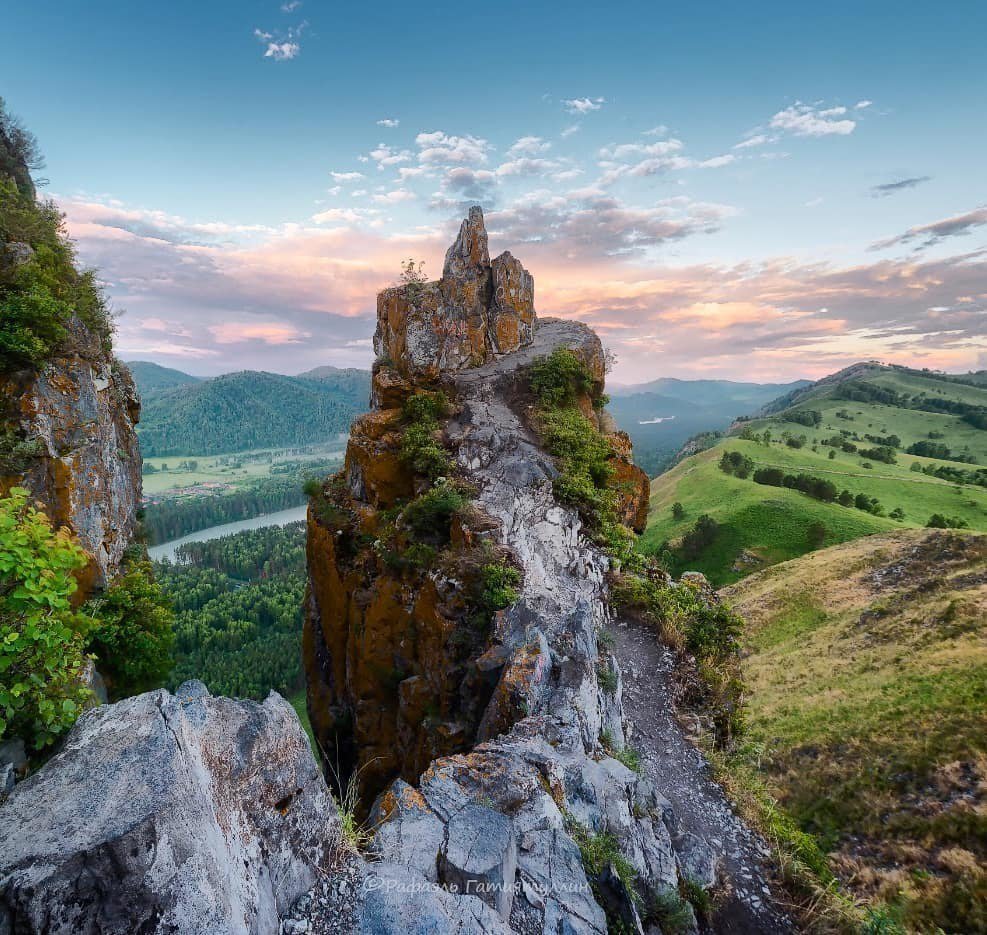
{"type": "Point", "coordinates": [469, 255]}
{"type": "Point", "coordinates": [477, 311]}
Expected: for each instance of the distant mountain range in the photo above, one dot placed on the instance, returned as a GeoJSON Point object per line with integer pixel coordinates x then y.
{"type": "Point", "coordinates": [186, 415]}
{"type": "Point", "coordinates": [661, 415]}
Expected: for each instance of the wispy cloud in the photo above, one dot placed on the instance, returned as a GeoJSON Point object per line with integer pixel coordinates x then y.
{"type": "Point", "coordinates": [930, 234]}
{"type": "Point", "coordinates": [388, 122]}
{"type": "Point", "coordinates": [583, 105]}
{"type": "Point", "coordinates": [892, 188]}
{"type": "Point", "coordinates": [281, 46]}
{"type": "Point", "coordinates": [811, 120]}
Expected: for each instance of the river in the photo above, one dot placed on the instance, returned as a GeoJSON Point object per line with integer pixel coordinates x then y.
{"type": "Point", "coordinates": [281, 518]}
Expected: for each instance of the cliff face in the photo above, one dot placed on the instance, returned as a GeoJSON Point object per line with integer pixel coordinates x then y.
{"type": "Point", "coordinates": [67, 426]}
{"type": "Point", "coordinates": [78, 454]}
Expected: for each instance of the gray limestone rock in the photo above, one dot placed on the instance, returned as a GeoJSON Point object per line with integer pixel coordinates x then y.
{"type": "Point", "coordinates": [167, 813]}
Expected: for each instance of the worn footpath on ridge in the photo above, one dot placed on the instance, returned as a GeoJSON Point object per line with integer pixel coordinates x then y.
{"type": "Point", "coordinates": [678, 770]}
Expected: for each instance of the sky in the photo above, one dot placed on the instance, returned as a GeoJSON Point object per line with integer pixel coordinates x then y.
{"type": "Point", "coordinates": [758, 191]}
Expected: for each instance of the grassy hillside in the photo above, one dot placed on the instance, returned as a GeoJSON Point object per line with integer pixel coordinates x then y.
{"type": "Point", "coordinates": [760, 525]}
{"type": "Point", "coordinates": [866, 669]}
{"type": "Point", "coordinates": [151, 377]}
{"type": "Point", "coordinates": [684, 408]}
{"type": "Point", "coordinates": [250, 410]}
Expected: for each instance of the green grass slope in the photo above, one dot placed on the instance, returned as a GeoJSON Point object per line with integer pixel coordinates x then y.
{"type": "Point", "coordinates": [761, 525]}
{"type": "Point", "coordinates": [866, 674]}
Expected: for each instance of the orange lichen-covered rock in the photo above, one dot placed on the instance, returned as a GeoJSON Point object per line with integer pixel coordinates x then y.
{"type": "Point", "coordinates": [477, 310]}
{"type": "Point", "coordinates": [374, 470]}
{"type": "Point", "coordinates": [77, 415]}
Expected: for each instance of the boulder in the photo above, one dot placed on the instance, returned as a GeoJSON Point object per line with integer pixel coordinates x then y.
{"type": "Point", "coordinates": [480, 856]}
{"type": "Point", "coordinates": [166, 813]}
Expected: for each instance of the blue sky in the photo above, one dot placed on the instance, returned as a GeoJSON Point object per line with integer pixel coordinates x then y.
{"type": "Point", "coordinates": [758, 191]}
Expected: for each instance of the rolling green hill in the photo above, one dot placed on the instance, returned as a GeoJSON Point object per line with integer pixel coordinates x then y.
{"type": "Point", "coordinates": [250, 410]}
{"type": "Point", "coordinates": [855, 418]}
{"type": "Point", "coordinates": [866, 667]}
{"type": "Point", "coordinates": [661, 415]}
{"type": "Point", "coordinates": [151, 377]}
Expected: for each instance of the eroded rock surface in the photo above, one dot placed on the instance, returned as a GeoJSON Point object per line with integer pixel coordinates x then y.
{"type": "Point", "coordinates": [167, 813]}
{"type": "Point", "coordinates": [476, 311]}
{"type": "Point", "coordinates": [78, 412]}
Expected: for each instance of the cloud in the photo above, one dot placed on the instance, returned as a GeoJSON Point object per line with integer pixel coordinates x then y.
{"type": "Point", "coordinates": [281, 46]}
{"type": "Point", "coordinates": [759, 139]}
{"type": "Point", "coordinates": [385, 156]}
{"type": "Point", "coordinates": [346, 176]}
{"type": "Point", "coordinates": [388, 122]}
{"type": "Point", "coordinates": [583, 105]}
{"type": "Point", "coordinates": [931, 234]}
{"type": "Point", "coordinates": [569, 130]}
{"type": "Point", "coordinates": [394, 197]}
{"type": "Point", "coordinates": [661, 156]}
{"type": "Point", "coordinates": [808, 120]}
{"type": "Point", "coordinates": [290, 6]}
{"type": "Point", "coordinates": [527, 166]}
{"type": "Point", "coordinates": [660, 130]}
{"type": "Point", "coordinates": [276, 333]}
{"type": "Point", "coordinates": [892, 188]}
{"type": "Point", "coordinates": [861, 105]}
{"type": "Point", "coordinates": [441, 149]}
{"type": "Point", "coordinates": [229, 301]}
{"type": "Point", "coordinates": [343, 215]}
{"type": "Point", "coordinates": [528, 146]}
{"type": "Point", "coordinates": [592, 223]}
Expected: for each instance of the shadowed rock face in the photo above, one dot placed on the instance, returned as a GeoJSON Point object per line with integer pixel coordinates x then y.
{"type": "Point", "coordinates": [478, 310]}
{"type": "Point", "coordinates": [167, 813]}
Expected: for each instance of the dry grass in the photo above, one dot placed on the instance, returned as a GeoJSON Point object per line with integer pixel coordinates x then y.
{"type": "Point", "coordinates": [866, 665]}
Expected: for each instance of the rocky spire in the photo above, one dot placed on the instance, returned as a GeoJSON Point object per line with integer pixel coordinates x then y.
{"type": "Point", "coordinates": [477, 311]}
{"type": "Point", "coordinates": [469, 255]}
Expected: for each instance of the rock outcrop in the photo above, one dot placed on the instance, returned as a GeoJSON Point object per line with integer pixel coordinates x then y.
{"type": "Point", "coordinates": [494, 744]}
{"type": "Point", "coordinates": [67, 426]}
{"type": "Point", "coordinates": [75, 417]}
{"type": "Point", "coordinates": [478, 310]}
{"type": "Point", "coordinates": [167, 813]}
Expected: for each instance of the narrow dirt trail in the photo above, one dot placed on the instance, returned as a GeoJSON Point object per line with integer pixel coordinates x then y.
{"type": "Point", "coordinates": [683, 776]}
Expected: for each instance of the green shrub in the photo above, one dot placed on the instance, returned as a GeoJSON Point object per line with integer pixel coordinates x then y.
{"type": "Point", "coordinates": [39, 297]}
{"type": "Point", "coordinates": [709, 631]}
{"type": "Point", "coordinates": [606, 675]}
{"type": "Point", "coordinates": [419, 448]}
{"type": "Point", "coordinates": [42, 640]}
{"type": "Point", "coordinates": [600, 850]}
{"type": "Point", "coordinates": [556, 380]}
{"type": "Point", "coordinates": [430, 514]}
{"type": "Point", "coordinates": [135, 635]}
{"type": "Point", "coordinates": [499, 586]}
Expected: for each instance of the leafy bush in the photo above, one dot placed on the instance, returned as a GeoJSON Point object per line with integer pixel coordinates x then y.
{"type": "Point", "coordinates": [736, 463]}
{"type": "Point", "coordinates": [39, 296]}
{"type": "Point", "coordinates": [884, 453]}
{"type": "Point", "coordinates": [430, 514]}
{"type": "Point", "coordinates": [556, 380]}
{"type": "Point", "coordinates": [939, 521]}
{"type": "Point", "coordinates": [419, 448]}
{"type": "Point", "coordinates": [700, 537]}
{"type": "Point", "coordinates": [499, 584]}
{"type": "Point", "coordinates": [809, 417]}
{"type": "Point", "coordinates": [42, 639]}
{"type": "Point", "coordinates": [133, 642]}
